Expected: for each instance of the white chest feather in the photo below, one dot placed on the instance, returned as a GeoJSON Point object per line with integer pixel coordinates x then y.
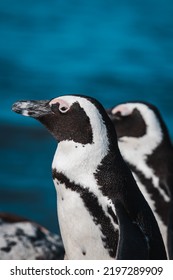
{"type": "Point", "coordinates": [82, 238]}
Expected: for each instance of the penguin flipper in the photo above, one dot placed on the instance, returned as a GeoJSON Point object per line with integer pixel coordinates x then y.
{"type": "Point", "coordinates": [170, 227]}
{"type": "Point", "coordinates": [168, 183]}
{"type": "Point", "coordinates": [170, 233]}
{"type": "Point", "coordinates": [133, 244]}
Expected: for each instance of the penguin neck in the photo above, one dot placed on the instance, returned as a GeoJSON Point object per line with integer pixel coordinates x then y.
{"type": "Point", "coordinates": [78, 161]}
{"type": "Point", "coordinates": [133, 148]}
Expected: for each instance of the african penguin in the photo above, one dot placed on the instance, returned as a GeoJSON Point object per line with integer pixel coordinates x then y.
{"type": "Point", "coordinates": [102, 213]}
{"type": "Point", "coordinates": [21, 239]}
{"type": "Point", "coordinates": [145, 145]}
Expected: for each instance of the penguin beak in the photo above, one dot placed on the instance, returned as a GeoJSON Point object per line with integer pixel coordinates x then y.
{"type": "Point", "coordinates": [32, 108]}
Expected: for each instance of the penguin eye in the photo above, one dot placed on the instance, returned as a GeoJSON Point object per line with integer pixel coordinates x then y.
{"type": "Point", "coordinates": [59, 108]}
{"type": "Point", "coordinates": [121, 111]}
{"type": "Point", "coordinates": [63, 109]}
{"type": "Point", "coordinates": [118, 116]}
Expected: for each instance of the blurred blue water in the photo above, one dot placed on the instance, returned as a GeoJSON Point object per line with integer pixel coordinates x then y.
{"type": "Point", "coordinates": [112, 50]}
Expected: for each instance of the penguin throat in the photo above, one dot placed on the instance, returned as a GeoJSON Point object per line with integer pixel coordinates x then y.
{"type": "Point", "coordinates": [76, 160]}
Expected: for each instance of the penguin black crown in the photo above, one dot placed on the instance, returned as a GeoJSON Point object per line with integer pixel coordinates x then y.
{"type": "Point", "coordinates": [102, 214]}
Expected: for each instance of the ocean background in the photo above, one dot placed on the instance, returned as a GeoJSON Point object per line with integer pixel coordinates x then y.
{"type": "Point", "coordinates": [112, 50]}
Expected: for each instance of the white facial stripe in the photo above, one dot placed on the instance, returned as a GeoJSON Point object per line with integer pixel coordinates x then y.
{"type": "Point", "coordinates": [61, 101]}
{"type": "Point", "coordinates": [136, 149]}
{"type": "Point", "coordinates": [123, 109]}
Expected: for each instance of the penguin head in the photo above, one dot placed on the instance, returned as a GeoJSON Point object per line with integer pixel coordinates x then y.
{"type": "Point", "coordinates": [128, 120]}
{"type": "Point", "coordinates": [74, 118]}
{"type": "Point", "coordinates": [138, 124]}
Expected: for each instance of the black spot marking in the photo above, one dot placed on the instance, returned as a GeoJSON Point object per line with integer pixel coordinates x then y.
{"type": "Point", "coordinates": [84, 253]}
{"type": "Point", "coordinates": [109, 234]}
